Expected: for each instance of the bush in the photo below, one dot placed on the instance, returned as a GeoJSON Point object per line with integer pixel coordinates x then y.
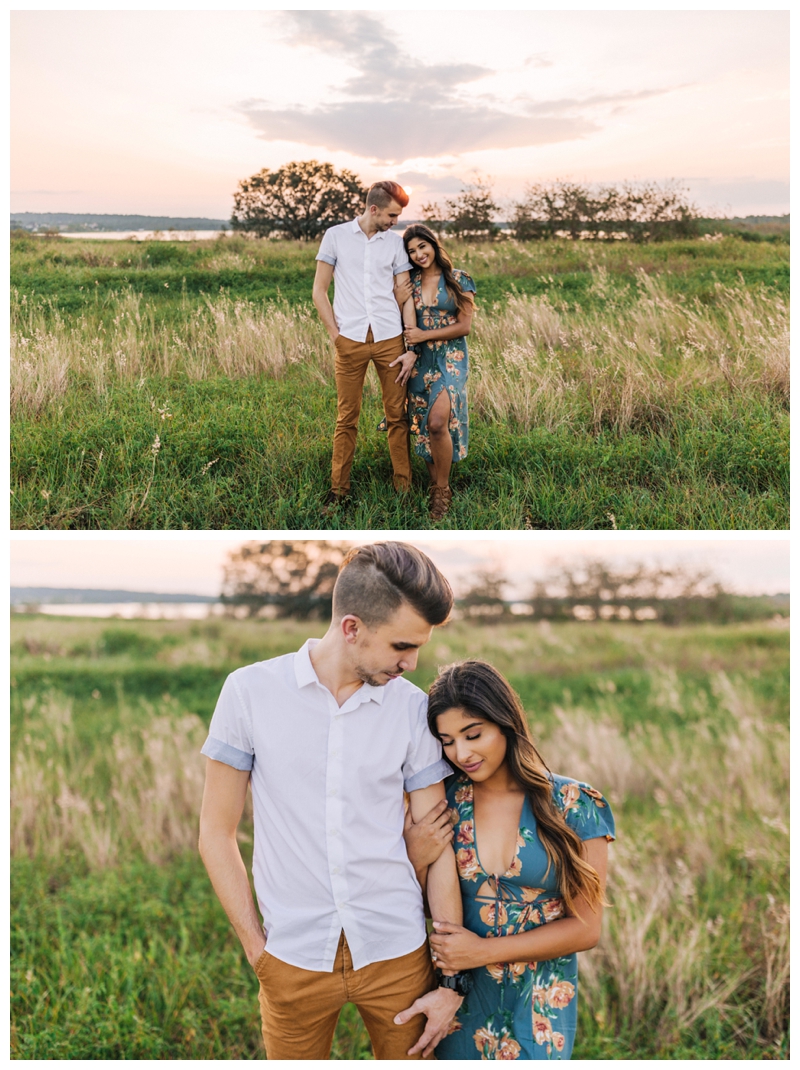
{"type": "Point", "coordinates": [643, 211]}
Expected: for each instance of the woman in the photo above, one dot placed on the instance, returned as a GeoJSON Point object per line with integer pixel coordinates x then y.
{"type": "Point", "coordinates": [437, 319]}
{"type": "Point", "coordinates": [531, 850]}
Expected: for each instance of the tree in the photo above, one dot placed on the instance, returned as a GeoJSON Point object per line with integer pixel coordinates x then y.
{"type": "Point", "coordinates": [595, 590]}
{"type": "Point", "coordinates": [433, 217]}
{"type": "Point", "coordinates": [640, 211]}
{"type": "Point", "coordinates": [471, 213]}
{"type": "Point", "coordinates": [300, 200]}
{"type": "Point", "coordinates": [296, 577]}
{"type": "Point", "coordinates": [484, 598]}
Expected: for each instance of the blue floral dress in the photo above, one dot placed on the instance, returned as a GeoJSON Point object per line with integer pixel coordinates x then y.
{"type": "Point", "coordinates": [519, 1010]}
{"type": "Point", "coordinates": [440, 366]}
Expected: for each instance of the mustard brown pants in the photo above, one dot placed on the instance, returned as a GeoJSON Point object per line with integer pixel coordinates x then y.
{"type": "Point", "coordinates": [352, 361]}
{"type": "Point", "coordinates": [300, 1008]}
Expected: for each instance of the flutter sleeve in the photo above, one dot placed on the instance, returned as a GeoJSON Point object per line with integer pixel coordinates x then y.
{"type": "Point", "coordinates": [584, 808]}
{"type": "Point", "coordinates": [465, 281]}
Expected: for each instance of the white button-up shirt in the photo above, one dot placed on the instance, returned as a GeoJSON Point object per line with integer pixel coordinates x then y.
{"type": "Point", "coordinates": [327, 783]}
{"type": "Point", "coordinates": [363, 276]}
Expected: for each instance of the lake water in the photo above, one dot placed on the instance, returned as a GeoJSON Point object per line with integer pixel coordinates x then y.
{"type": "Point", "coordinates": [145, 235]}
{"type": "Point", "coordinates": [136, 610]}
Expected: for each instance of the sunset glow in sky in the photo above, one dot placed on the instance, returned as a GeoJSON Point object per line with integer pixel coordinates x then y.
{"type": "Point", "coordinates": [163, 112]}
{"type": "Point", "coordinates": [195, 566]}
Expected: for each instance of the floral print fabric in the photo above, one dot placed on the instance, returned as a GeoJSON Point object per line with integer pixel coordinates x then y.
{"type": "Point", "coordinates": [518, 1010]}
{"type": "Point", "coordinates": [440, 366]}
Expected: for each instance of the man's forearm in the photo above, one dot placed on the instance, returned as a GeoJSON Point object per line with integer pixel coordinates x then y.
{"type": "Point", "coordinates": [323, 306]}
{"type": "Point", "coordinates": [444, 891]}
{"type": "Point", "coordinates": [225, 867]}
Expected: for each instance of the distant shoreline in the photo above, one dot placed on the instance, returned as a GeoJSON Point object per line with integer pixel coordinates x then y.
{"type": "Point", "coordinates": [183, 228]}
{"type": "Point", "coordinates": [84, 595]}
{"type": "Point", "coordinates": [93, 223]}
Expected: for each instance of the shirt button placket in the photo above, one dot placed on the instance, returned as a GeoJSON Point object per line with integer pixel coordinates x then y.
{"type": "Point", "coordinates": [334, 812]}
{"type": "Point", "coordinates": [367, 262]}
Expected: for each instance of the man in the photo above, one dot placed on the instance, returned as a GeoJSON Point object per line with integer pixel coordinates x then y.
{"type": "Point", "coordinates": [365, 324]}
{"type": "Point", "coordinates": [329, 737]}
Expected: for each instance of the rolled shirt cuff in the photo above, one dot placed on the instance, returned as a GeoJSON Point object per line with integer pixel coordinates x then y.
{"type": "Point", "coordinates": [224, 752]}
{"type": "Point", "coordinates": [432, 775]}
{"type": "Point", "coordinates": [327, 259]}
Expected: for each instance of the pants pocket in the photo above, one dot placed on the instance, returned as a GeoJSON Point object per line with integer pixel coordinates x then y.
{"type": "Point", "coordinates": [260, 963]}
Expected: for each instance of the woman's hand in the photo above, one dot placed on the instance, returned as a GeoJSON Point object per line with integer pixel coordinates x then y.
{"type": "Point", "coordinates": [426, 839]}
{"type": "Point", "coordinates": [402, 288]}
{"type": "Point", "coordinates": [456, 948]}
{"type": "Point", "coordinates": [414, 336]}
{"type": "Point", "coordinates": [406, 362]}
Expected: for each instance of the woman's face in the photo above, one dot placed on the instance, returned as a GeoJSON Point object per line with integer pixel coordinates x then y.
{"type": "Point", "coordinates": [471, 743]}
{"type": "Point", "coordinates": [421, 252]}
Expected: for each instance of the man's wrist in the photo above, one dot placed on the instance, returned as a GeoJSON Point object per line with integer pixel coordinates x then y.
{"type": "Point", "coordinates": [255, 950]}
{"type": "Point", "coordinates": [459, 982]}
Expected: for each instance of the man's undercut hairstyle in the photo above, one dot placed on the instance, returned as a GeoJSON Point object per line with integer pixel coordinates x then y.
{"type": "Point", "coordinates": [375, 580]}
{"type": "Point", "coordinates": [381, 194]}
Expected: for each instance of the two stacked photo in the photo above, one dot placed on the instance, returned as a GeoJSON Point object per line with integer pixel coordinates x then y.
{"type": "Point", "coordinates": [399, 535]}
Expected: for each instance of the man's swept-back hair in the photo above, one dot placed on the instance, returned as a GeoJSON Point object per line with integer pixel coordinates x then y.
{"type": "Point", "coordinates": [375, 580]}
{"type": "Point", "coordinates": [382, 193]}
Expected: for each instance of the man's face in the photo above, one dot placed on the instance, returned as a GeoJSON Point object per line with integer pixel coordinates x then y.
{"type": "Point", "coordinates": [385, 218]}
{"type": "Point", "coordinates": [387, 651]}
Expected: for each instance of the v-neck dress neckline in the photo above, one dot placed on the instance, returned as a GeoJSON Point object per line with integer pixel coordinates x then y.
{"type": "Point", "coordinates": [510, 871]}
{"type": "Point", "coordinates": [435, 302]}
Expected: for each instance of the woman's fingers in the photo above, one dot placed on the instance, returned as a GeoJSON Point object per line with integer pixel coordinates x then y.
{"type": "Point", "coordinates": [444, 927]}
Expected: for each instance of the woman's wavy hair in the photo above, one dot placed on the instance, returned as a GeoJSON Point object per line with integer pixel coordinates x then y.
{"type": "Point", "coordinates": [478, 688]}
{"type": "Point", "coordinates": [443, 262]}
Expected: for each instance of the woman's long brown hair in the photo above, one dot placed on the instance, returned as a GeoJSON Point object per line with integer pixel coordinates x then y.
{"type": "Point", "coordinates": [443, 262]}
{"type": "Point", "coordinates": [478, 688]}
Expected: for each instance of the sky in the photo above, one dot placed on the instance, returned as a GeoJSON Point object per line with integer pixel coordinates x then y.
{"type": "Point", "coordinates": [163, 112]}
{"type": "Point", "coordinates": [194, 566]}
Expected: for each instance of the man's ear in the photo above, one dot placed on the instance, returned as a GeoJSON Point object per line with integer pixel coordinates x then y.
{"type": "Point", "coordinates": [351, 626]}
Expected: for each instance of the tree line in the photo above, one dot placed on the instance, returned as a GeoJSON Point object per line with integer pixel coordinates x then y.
{"type": "Point", "coordinates": [304, 198]}
{"type": "Point", "coordinates": [295, 579]}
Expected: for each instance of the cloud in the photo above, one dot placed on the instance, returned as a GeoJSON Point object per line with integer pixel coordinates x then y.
{"type": "Point", "coordinates": [567, 105]}
{"type": "Point", "coordinates": [538, 59]}
{"type": "Point", "coordinates": [385, 73]}
{"type": "Point", "coordinates": [391, 131]}
{"type": "Point", "coordinates": [439, 184]}
{"type": "Point", "coordinates": [397, 107]}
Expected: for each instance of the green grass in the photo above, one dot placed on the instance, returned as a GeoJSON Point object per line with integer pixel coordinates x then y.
{"type": "Point", "coordinates": [80, 273]}
{"type": "Point", "coordinates": [121, 951]}
{"type": "Point", "coordinates": [89, 464]}
{"type": "Point", "coordinates": [685, 426]}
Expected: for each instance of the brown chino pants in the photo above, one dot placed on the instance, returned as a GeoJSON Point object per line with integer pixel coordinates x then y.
{"type": "Point", "coordinates": [352, 361]}
{"type": "Point", "coordinates": [300, 1008]}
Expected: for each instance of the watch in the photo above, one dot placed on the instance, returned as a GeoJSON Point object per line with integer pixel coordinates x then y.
{"type": "Point", "coordinates": [460, 983]}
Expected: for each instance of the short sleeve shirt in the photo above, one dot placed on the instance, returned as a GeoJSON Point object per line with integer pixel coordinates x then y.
{"type": "Point", "coordinates": [363, 275]}
{"type": "Point", "coordinates": [327, 784]}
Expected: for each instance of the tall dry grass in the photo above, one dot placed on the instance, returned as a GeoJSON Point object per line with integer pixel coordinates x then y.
{"type": "Point", "coordinates": [683, 936]}
{"type": "Point", "coordinates": [224, 336]}
{"type": "Point", "coordinates": [692, 926]}
{"type": "Point", "coordinates": [626, 362]}
{"type": "Point", "coordinates": [139, 796]}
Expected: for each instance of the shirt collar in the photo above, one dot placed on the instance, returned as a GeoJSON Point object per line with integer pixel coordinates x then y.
{"type": "Point", "coordinates": [305, 673]}
{"type": "Point", "coordinates": [355, 225]}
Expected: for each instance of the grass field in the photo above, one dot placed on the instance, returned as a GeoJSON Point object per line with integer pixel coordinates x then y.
{"type": "Point", "coordinates": [190, 385]}
{"type": "Point", "coordinates": [120, 949]}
